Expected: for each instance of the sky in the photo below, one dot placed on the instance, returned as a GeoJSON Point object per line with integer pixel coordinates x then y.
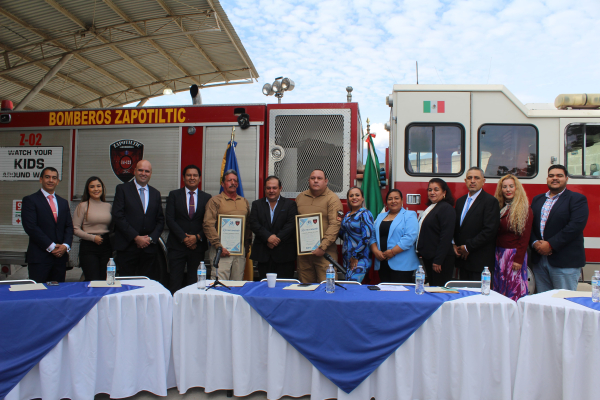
{"type": "Point", "coordinates": [537, 49]}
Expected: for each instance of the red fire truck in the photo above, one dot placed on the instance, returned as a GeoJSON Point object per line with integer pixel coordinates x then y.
{"type": "Point", "coordinates": [442, 130]}
{"type": "Point", "coordinates": [288, 140]}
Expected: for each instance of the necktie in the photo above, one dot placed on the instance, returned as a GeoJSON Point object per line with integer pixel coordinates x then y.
{"type": "Point", "coordinates": [53, 207]}
{"type": "Point", "coordinates": [192, 206]}
{"type": "Point", "coordinates": [143, 198]}
{"type": "Point", "coordinates": [465, 209]}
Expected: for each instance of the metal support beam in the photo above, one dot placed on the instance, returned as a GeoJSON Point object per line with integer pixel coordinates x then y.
{"type": "Point", "coordinates": [139, 30]}
{"type": "Point", "coordinates": [221, 23]}
{"type": "Point", "coordinates": [141, 103]}
{"type": "Point", "coordinates": [40, 65]}
{"type": "Point", "coordinates": [43, 82]}
{"type": "Point", "coordinates": [42, 92]}
{"type": "Point", "coordinates": [192, 40]}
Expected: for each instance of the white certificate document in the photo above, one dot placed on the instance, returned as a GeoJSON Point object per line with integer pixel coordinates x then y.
{"type": "Point", "coordinates": [231, 233]}
{"type": "Point", "coordinates": [309, 233]}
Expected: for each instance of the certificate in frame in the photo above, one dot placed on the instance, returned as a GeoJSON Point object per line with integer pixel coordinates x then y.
{"type": "Point", "coordinates": [231, 229]}
{"type": "Point", "coordinates": [309, 231]}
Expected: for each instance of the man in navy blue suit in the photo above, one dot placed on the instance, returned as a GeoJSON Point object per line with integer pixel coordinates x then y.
{"type": "Point", "coordinates": [139, 221]}
{"type": "Point", "coordinates": [47, 220]}
{"type": "Point", "coordinates": [559, 217]}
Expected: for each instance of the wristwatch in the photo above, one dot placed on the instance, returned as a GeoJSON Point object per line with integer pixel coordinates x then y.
{"type": "Point", "coordinates": [151, 241]}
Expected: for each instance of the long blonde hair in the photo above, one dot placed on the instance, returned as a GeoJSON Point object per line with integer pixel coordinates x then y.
{"type": "Point", "coordinates": [519, 207]}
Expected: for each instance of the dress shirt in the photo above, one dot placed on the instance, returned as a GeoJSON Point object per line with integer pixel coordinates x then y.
{"type": "Point", "coordinates": [192, 193]}
{"type": "Point", "coordinates": [546, 208]}
{"type": "Point", "coordinates": [466, 209]}
{"type": "Point", "coordinates": [272, 210]}
{"type": "Point", "coordinates": [146, 194]}
{"type": "Point", "coordinates": [46, 194]}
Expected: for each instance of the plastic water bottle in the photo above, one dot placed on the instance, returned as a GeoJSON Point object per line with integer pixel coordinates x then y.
{"type": "Point", "coordinates": [596, 287]}
{"type": "Point", "coordinates": [111, 268]}
{"type": "Point", "coordinates": [201, 275]}
{"type": "Point", "coordinates": [420, 281]}
{"type": "Point", "coordinates": [330, 275]}
{"type": "Point", "coordinates": [486, 281]}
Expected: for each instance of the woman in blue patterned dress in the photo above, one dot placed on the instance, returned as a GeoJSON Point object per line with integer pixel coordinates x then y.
{"type": "Point", "coordinates": [356, 232]}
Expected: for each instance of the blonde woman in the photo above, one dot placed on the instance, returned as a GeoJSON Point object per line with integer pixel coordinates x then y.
{"type": "Point", "coordinates": [516, 218]}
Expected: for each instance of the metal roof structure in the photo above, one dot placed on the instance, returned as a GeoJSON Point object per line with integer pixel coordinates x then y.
{"type": "Point", "coordinates": [108, 53]}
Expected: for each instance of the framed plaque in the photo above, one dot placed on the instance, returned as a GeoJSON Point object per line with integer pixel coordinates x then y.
{"type": "Point", "coordinates": [309, 231]}
{"type": "Point", "coordinates": [231, 229]}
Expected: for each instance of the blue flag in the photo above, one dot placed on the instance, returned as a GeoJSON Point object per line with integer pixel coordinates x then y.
{"type": "Point", "coordinates": [230, 162]}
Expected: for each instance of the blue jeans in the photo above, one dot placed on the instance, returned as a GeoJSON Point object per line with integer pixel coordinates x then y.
{"type": "Point", "coordinates": [548, 277]}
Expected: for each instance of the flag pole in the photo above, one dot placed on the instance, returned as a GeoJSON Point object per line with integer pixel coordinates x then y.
{"type": "Point", "coordinates": [232, 134]}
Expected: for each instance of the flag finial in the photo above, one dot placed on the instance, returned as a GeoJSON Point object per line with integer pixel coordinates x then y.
{"type": "Point", "coordinates": [232, 133]}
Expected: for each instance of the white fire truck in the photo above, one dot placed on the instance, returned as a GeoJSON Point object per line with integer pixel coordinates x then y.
{"type": "Point", "coordinates": [442, 130]}
{"type": "Point", "coordinates": [287, 140]}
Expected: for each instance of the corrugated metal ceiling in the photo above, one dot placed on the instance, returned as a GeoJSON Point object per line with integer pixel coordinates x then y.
{"type": "Point", "coordinates": [121, 51]}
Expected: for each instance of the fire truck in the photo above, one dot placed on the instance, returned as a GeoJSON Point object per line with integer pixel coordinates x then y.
{"type": "Point", "coordinates": [287, 140]}
{"type": "Point", "coordinates": [442, 130]}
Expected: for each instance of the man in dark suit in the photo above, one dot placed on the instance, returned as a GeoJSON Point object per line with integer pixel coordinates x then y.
{"type": "Point", "coordinates": [559, 217]}
{"type": "Point", "coordinates": [47, 220]}
{"type": "Point", "coordinates": [139, 221]}
{"type": "Point", "coordinates": [477, 222]}
{"type": "Point", "coordinates": [187, 242]}
{"type": "Point", "coordinates": [272, 220]}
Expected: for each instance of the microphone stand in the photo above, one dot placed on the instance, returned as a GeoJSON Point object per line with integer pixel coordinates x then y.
{"type": "Point", "coordinates": [338, 266]}
{"type": "Point", "coordinates": [216, 267]}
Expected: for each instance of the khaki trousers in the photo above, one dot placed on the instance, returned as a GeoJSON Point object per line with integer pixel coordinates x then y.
{"type": "Point", "coordinates": [312, 269]}
{"type": "Point", "coordinates": [230, 268]}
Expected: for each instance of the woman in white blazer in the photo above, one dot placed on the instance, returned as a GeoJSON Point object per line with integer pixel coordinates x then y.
{"type": "Point", "coordinates": [394, 243]}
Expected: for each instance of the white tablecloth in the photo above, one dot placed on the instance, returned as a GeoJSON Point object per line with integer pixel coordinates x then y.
{"type": "Point", "coordinates": [466, 350]}
{"type": "Point", "coordinates": [121, 347]}
{"type": "Point", "coordinates": [559, 352]}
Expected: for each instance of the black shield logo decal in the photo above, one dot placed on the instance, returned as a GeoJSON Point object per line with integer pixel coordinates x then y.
{"type": "Point", "coordinates": [124, 156]}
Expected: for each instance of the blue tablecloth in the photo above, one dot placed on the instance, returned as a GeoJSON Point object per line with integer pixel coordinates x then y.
{"type": "Point", "coordinates": [348, 334]}
{"type": "Point", "coordinates": [585, 301]}
{"type": "Point", "coordinates": [33, 322]}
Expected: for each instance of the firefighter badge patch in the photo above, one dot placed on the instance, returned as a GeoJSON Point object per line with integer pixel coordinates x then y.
{"type": "Point", "coordinates": [124, 156]}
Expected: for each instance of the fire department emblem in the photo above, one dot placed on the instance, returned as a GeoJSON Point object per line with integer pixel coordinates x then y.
{"type": "Point", "coordinates": [314, 221]}
{"type": "Point", "coordinates": [237, 223]}
{"type": "Point", "coordinates": [124, 156]}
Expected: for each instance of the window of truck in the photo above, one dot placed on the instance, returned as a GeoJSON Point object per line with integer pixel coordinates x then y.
{"type": "Point", "coordinates": [508, 149]}
{"type": "Point", "coordinates": [583, 161]}
{"type": "Point", "coordinates": [435, 149]}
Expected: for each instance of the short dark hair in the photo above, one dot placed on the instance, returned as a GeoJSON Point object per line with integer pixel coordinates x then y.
{"type": "Point", "coordinates": [49, 169]}
{"type": "Point", "coordinates": [318, 169]}
{"type": "Point", "coordinates": [476, 169]}
{"type": "Point", "coordinates": [191, 166]}
{"type": "Point", "coordinates": [559, 166]}
{"type": "Point", "coordinates": [392, 191]}
{"type": "Point", "coordinates": [273, 177]}
{"type": "Point", "coordinates": [445, 188]}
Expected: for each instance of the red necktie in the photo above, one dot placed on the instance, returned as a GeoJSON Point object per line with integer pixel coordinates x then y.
{"type": "Point", "coordinates": [192, 207]}
{"type": "Point", "coordinates": [53, 207]}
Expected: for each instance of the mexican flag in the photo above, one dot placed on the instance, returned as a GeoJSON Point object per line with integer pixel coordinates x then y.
{"type": "Point", "coordinates": [370, 185]}
{"type": "Point", "coordinates": [434, 107]}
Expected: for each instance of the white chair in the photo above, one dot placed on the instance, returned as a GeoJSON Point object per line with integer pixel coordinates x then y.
{"type": "Point", "coordinates": [17, 282]}
{"type": "Point", "coordinates": [344, 282]}
{"type": "Point", "coordinates": [129, 278]}
{"type": "Point", "coordinates": [463, 284]}
{"type": "Point", "coordinates": [283, 280]}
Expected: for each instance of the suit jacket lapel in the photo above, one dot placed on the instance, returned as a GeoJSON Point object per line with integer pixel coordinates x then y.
{"type": "Point", "coordinates": [47, 205]}
{"type": "Point", "coordinates": [396, 221]}
{"type": "Point", "coordinates": [134, 190]}
{"type": "Point", "coordinates": [277, 210]}
{"type": "Point", "coordinates": [474, 205]}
